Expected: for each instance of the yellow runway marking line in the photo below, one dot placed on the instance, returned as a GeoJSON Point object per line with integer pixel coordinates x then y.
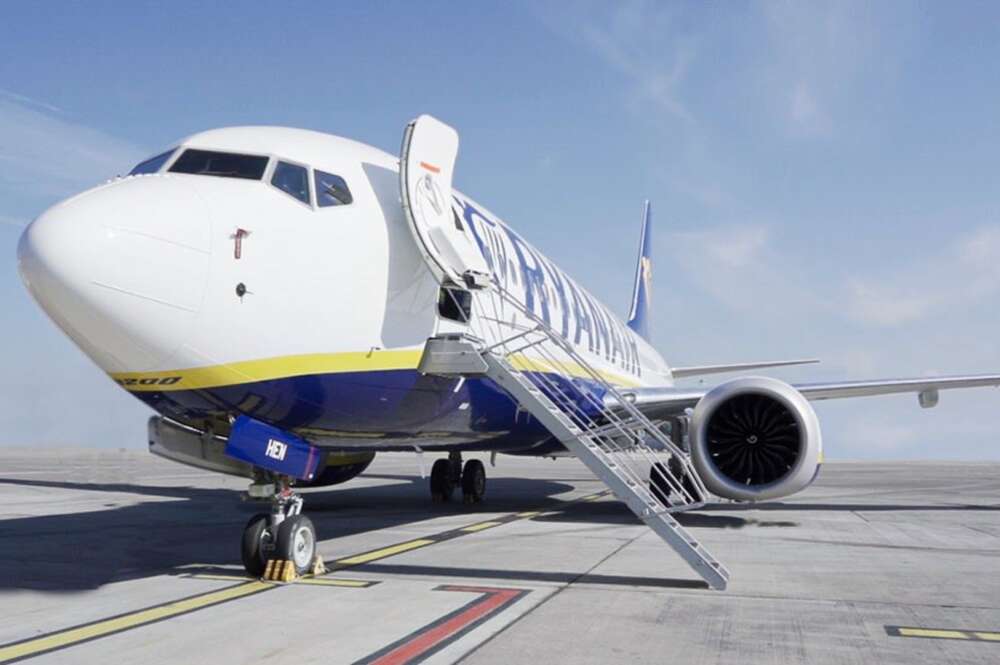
{"type": "Point", "coordinates": [924, 632]}
{"type": "Point", "coordinates": [384, 552]}
{"type": "Point", "coordinates": [34, 647]}
{"type": "Point", "coordinates": [221, 578]}
{"type": "Point", "coordinates": [529, 514]}
{"type": "Point", "coordinates": [319, 581]}
{"type": "Point", "coordinates": [943, 633]}
{"type": "Point", "coordinates": [324, 581]}
{"type": "Point", "coordinates": [480, 526]}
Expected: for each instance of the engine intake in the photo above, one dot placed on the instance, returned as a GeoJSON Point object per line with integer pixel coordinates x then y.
{"type": "Point", "coordinates": [755, 438]}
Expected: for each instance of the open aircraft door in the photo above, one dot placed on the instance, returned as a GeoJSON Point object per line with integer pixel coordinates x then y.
{"type": "Point", "coordinates": [425, 172]}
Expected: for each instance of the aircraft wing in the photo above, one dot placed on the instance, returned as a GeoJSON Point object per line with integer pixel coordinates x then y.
{"type": "Point", "coordinates": [665, 402]}
{"type": "Point", "coordinates": [700, 370]}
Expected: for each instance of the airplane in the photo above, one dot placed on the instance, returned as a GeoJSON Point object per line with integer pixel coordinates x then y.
{"type": "Point", "coordinates": [291, 303]}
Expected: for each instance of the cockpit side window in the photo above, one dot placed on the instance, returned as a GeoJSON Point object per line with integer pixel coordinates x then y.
{"type": "Point", "coordinates": [221, 164]}
{"type": "Point", "coordinates": [153, 164]}
{"type": "Point", "coordinates": [331, 190]}
{"type": "Point", "coordinates": [292, 179]}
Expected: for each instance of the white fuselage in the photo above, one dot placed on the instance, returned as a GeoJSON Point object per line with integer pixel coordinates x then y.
{"type": "Point", "coordinates": [206, 296]}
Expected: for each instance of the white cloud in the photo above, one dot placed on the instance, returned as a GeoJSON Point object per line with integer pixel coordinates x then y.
{"type": "Point", "coordinates": [818, 58]}
{"type": "Point", "coordinates": [963, 274]}
{"type": "Point", "coordinates": [806, 113]}
{"type": "Point", "coordinates": [740, 267]}
{"type": "Point", "coordinates": [738, 247]}
{"type": "Point", "coordinates": [28, 101]}
{"type": "Point", "coordinates": [883, 305]}
{"type": "Point", "coordinates": [640, 41]}
{"type": "Point", "coordinates": [45, 155]}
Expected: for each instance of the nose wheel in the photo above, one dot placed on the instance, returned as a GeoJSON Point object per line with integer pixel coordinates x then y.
{"type": "Point", "coordinates": [281, 544]}
{"type": "Point", "coordinates": [257, 545]}
{"type": "Point", "coordinates": [447, 475]}
{"type": "Point", "coordinates": [296, 542]}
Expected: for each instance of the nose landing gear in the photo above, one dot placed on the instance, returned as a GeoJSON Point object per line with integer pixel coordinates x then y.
{"type": "Point", "coordinates": [279, 545]}
{"type": "Point", "coordinates": [449, 474]}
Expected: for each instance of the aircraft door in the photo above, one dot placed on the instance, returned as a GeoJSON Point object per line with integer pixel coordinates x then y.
{"type": "Point", "coordinates": [430, 148]}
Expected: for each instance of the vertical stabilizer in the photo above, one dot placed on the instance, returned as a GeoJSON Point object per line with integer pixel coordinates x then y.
{"type": "Point", "coordinates": [638, 316]}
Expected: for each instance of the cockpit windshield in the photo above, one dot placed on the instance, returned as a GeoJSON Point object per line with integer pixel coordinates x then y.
{"type": "Point", "coordinates": [331, 190]}
{"type": "Point", "coordinates": [222, 164]}
{"type": "Point", "coordinates": [153, 164]}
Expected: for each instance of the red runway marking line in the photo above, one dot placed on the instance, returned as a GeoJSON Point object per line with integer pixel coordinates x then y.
{"type": "Point", "coordinates": [441, 632]}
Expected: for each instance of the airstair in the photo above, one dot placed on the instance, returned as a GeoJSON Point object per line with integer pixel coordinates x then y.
{"type": "Point", "coordinates": [581, 408]}
{"type": "Point", "coordinates": [507, 342]}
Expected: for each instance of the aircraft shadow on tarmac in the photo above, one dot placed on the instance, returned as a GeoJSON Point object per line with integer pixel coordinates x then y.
{"type": "Point", "coordinates": [185, 527]}
{"type": "Point", "coordinates": [531, 576]}
{"type": "Point", "coordinates": [615, 512]}
{"type": "Point", "coordinates": [188, 527]}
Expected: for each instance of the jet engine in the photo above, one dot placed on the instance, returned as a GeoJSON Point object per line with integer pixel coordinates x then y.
{"type": "Point", "coordinates": [755, 438]}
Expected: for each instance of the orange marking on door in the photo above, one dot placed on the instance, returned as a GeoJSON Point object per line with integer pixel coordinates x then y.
{"type": "Point", "coordinates": [430, 167]}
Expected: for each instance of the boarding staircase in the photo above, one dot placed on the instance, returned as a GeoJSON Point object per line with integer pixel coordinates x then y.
{"type": "Point", "coordinates": [583, 410]}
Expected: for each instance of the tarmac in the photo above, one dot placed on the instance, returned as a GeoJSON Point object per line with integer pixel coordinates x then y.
{"type": "Point", "coordinates": [118, 556]}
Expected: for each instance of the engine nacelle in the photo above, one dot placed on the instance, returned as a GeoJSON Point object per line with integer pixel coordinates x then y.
{"type": "Point", "coordinates": [755, 438]}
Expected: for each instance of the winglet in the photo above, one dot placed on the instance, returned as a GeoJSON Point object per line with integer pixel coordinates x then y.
{"type": "Point", "coordinates": [638, 316]}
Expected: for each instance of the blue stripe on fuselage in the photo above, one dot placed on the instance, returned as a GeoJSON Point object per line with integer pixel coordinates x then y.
{"type": "Point", "coordinates": [382, 410]}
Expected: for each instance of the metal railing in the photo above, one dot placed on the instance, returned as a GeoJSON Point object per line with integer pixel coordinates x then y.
{"type": "Point", "coordinates": [602, 418]}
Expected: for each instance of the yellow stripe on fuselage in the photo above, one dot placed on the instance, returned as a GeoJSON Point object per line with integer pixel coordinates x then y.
{"type": "Point", "coordinates": [283, 367]}
{"type": "Point", "coordinates": [268, 369]}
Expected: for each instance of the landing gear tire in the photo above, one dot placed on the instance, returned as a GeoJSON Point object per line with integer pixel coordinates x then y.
{"type": "Point", "coordinates": [473, 481]}
{"type": "Point", "coordinates": [296, 542]}
{"type": "Point", "coordinates": [687, 480]}
{"type": "Point", "coordinates": [691, 488]}
{"type": "Point", "coordinates": [442, 483]}
{"type": "Point", "coordinates": [658, 484]}
{"type": "Point", "coordinates": [255, 545]}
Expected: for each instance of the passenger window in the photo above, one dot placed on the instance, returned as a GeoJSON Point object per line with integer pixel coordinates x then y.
{"type": "Point", "coordinates": [153, 164]}
{"type": "Point", "coordinates": [292, 180]}
{"type": "Point", "coordinates": [222, 164]}
{"type": "Point", "coordinates": [331, 190]}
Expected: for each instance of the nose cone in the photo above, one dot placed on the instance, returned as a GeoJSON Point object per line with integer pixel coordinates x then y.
{"type": "Point", "coordinates": [122, 269]}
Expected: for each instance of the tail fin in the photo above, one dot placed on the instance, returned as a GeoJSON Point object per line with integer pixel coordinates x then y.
{"type": "Point", "coordinates": [638, 316]}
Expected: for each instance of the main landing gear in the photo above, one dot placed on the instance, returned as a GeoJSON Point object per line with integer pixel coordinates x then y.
{"type": "Point", "coordinates": [449, 474]}
{"type": "Point", "coordinates": [283, 535]}
{"type": "Point", "coordinates": [661, 489]}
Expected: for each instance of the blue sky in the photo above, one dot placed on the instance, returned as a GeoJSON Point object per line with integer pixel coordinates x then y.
{"type": "Point", "coordinates": [824, 176]}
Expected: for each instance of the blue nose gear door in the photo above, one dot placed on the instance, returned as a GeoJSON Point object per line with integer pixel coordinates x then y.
{"type": "Point", "coordinates": [425, 174]}
{"type": "Point", "coordinates": [271, 448]}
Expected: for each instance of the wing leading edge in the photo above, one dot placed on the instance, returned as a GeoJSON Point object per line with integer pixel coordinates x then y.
{"type": "Point", "coordinates": [701, 370]}
{"type": "Point", "coordinates": [663, 402]}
